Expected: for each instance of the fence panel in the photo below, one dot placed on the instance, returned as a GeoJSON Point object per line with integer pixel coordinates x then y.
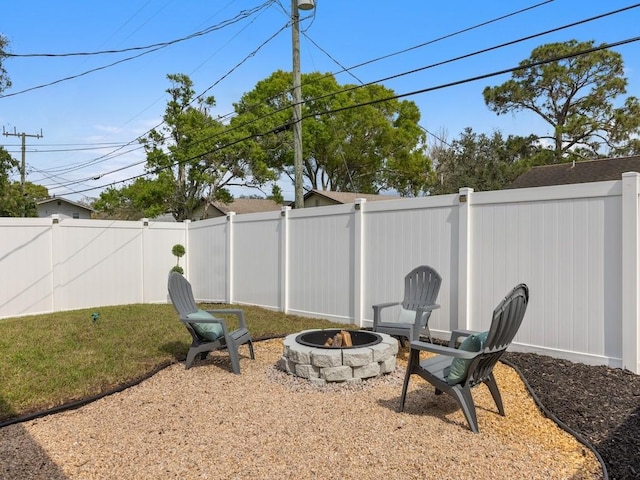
{"type": "Point", "coordinates": [99, 263]}
{"type": "Point", "coordinates": [567, 250]}
{"type": "Point", "coordinates": [399, 236]}
{"type": "Point", "coordinates": [158, 238]}
{"type": "Point", "coordinates": [257, 259]}
{"type": "Point", "coordinates": [208, 254]}
{"type": "Point", "coordinates": [321, 260]}
{"type": "Point", "coordinates": [26, 261]}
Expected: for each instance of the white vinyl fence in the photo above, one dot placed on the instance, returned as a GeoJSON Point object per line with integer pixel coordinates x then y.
{"type": "Point", "coordinates": [575, 246]}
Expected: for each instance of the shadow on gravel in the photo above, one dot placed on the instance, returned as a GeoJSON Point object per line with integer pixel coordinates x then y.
{"type": "Point", "coordinates": [23, 458]}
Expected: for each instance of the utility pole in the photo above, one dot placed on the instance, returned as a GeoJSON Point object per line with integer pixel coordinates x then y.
{"type": "Point", "coordinates": [297, 97]}
{"type": "Point", "coordinates": [23, 164]}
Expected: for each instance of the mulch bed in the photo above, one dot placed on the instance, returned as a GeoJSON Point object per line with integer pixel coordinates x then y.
{"type": "Point", "coordinates": [601, 404]}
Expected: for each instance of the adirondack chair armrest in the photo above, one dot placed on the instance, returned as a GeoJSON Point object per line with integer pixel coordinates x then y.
{"type": "Point", "coordinates": [378, 308]}
{"type": "Point", "coordinates": [231, 311]}
{"type": "Point", "coordinates": [455, 334]}
{"type": "Point", "coordinates": [442, 350]}
{"type": "Point", "coordinates": [417, 323]}
{"type": "Point", "coordinates": [426, 308]}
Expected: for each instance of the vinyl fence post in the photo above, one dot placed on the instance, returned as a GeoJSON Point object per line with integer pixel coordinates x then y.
{"type": "Point", "coordinates": [358, 263]}
{"type": "Point", "coordinates": [230, 264]}
{"type": "Point", "coordinates": [56, 289]}
{"type": "Point", "coordinates": [284, 255]}
{"type": "Point", "coordinates": [630, 270]}
{"type": "Point", "coordinates": [464, 257]}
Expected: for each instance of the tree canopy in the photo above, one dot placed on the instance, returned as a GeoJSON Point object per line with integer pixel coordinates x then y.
{"type": "Point", "coordinates": [376, 146]}
{"type": "Point", "coordinates": [483, 162]}
{"type": "Point", "coordinates": [191, 161]}
{"type": "Point", "coordinates": [575, 94]}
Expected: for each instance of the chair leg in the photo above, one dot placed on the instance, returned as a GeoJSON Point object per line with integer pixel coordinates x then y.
{"type": "Point", "coordinates": [250, 344]}
{"type": "Point", "coordinates": [414, 358]}
{"type": "Point", "coordinates": [495, 393]}
{"type": "Point", "coordinates": [234, 357]}
{"type": "Point", "coordinates": [465, 400]}
{"type": "Point", "coordinates": [191, 356]}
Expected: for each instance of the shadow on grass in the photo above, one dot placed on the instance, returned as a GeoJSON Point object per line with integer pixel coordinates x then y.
{"type": "Point", "coordinates": [6, 410]}
{"type": "Point", "coordinates": [177, 350]}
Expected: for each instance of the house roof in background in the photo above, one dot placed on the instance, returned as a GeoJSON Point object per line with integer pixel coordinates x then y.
{"type": "Point", "coordinates": [348, 197]}
{"type": "Point", "coordinates": [61, 199]}
{"type": "Point", "coordinates": [247, 205]}
{"type": "Point", "coordinates": [580, 172]}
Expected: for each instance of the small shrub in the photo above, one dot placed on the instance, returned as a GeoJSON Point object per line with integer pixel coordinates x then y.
{"type": "Point", "coordinates": [179, 251]}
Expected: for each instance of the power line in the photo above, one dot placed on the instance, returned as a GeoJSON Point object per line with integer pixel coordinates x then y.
{"type": "Point", "coordinates": [240, 16]}
{"type": "Point", "coordinates": [386, 99]}
{"type": "Point", "coordinates": [426, 67]}
{"type": "Point", "coordinates": [221, 118]}
{"type": "Point", "coordinates": [148, 49]}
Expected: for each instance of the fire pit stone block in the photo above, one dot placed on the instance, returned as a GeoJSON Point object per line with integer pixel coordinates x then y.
{"type": "Point", "coordinates": [366, 371]}
{"type": "Point", "coordinates": [336, 374]}
{"type": "Point", "coordinates": [357, 357]}
{"type": "Point", "coordinates": [326, 358]}
{"type": "Point", "coordinates": [307, 371]}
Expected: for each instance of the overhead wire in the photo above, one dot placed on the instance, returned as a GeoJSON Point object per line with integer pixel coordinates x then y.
{"type": "Point", "coordinates": [393, 97]}
{"type": "Point", "coordinates": [240, 16]}
{"type": "Point", "coordinates": [222, 118]}
{"type": "Point", "coordinates": [461, 57]}
{"type": "Point", "coordinates": [112, 154]}
{"type": "Point", "coordinates": [148, 49]}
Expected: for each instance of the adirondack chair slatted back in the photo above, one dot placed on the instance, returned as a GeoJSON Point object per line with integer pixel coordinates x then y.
{"type": "Point", "coordinates": [181, 295]}
{"type": "Point", "coordinates": [507, 318]}
{"type": "Point", "coordinates": [421, 287]}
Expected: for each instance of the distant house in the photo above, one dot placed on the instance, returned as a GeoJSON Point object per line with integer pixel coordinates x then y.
{"type": "Point", "coordinates": [578, 172]}
{"type": "Point", "coordinates": [239, 206]}
{"type": "Point", "coordinates": [63, 207]}
{"type": "Point", "coordinates": [323, 198]}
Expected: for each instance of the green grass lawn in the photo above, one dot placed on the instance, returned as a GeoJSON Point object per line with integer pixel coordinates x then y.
{"type": "Point", "coordinates": [50, 360]}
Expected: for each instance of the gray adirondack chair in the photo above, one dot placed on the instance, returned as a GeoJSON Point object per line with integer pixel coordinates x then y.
{"type": "Point", "coordinates": [208, 333]}
{"type": "Point", "coordinates": [421, 287]}
{"type": "Point", "coordinates": [455, 371]}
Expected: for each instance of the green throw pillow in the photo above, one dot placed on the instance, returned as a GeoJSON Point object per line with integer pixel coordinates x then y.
{"type": "Point", "coordinates": [210, 331]}
{"type": "Point", "coordinates": [459, 366]}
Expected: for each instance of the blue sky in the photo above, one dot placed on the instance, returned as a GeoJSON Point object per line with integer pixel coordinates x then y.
{"type": "Point", "coordinates": [83, 118]}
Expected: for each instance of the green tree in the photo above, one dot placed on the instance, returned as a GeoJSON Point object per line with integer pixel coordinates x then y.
{"type": "Point", "coordinates": [483, 162]}
{"type": "Point", "coordinates": [575, 96]}
{"type": "Point", "coordinates": [5, 82]}
{"type": "Point", "coordinates": [143, 198]}
{"type": "Point", "coordinates": [191, 161]}
{"type": "Point", "coordinates": [373, 147]}
{"type": "Point", "coordinates": [7, 166]}
{"type": "Point", "coordinates": [13, 201]}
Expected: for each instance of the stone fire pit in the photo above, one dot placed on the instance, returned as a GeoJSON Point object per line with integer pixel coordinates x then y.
{"type": "Point", "coordinates": [321, 364]}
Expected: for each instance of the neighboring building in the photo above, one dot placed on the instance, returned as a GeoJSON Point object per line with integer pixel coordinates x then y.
{"type": "Point", "coordinates": [239, 205]}
{"type": "Point", "coordinates": [323, 198]}
{"type": "Point", "coordinates": [64, 208]}
{"type": "Point", "coordinates": [578, 172]}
